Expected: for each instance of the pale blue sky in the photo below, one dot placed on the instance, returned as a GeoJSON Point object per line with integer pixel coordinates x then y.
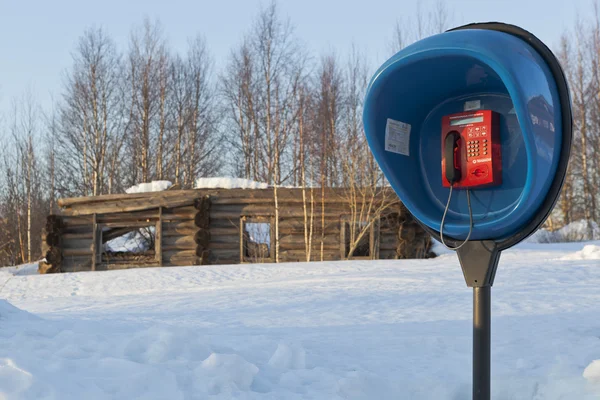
{"type": "Point", "coordinates": [37, 36]}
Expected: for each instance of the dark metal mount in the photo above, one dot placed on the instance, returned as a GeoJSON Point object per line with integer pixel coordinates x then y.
{"type": "Point", "coordinates": [479, 261]}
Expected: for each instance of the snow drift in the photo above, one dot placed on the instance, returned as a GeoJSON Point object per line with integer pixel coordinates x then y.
{"type": "Point", "coordinates": [574, 232]}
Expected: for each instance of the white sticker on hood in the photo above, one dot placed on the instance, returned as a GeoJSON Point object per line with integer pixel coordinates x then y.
{"type": "Point", "coordinates": [397, 137]}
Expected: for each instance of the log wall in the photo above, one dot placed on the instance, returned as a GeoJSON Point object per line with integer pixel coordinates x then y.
{"type": "Point", "coordinates": [195, 227]}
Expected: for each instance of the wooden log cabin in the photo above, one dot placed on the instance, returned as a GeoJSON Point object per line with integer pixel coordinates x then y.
{"type": "Point", "coordinates": [227, 226]}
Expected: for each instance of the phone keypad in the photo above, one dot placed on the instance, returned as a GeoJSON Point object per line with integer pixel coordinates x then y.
{"type": "Point", "coordinates": [475, 148]}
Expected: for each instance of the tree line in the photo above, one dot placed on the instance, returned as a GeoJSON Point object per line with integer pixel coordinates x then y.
{"type": "Point", "coordinates": [579, 55]}
{"type": "Point", "coordinates": [273, 113]}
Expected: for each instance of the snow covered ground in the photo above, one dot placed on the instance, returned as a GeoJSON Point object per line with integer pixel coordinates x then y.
{"type": "Point", "coordinates": [334, 330]}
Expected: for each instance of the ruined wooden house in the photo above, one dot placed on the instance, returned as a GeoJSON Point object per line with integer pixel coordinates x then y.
{"type": "Point", "coordinates": [227, 226]}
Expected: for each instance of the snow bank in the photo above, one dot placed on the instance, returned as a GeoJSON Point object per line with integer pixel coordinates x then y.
{"type": "Point", "coordinates": [589, 252]}
{"type": "Point", "coordinates": [154, 186]}
{"type": "Point", "coordinates": [592, 372]}
{"type": "Point", "coordinates": [574, 232]}
{"type": "Point", "coordinates": [228, 183]}
{"type": "Point", "coordinates": [21, 270]}
{"type": "Point", "coordinates": [10, 313]}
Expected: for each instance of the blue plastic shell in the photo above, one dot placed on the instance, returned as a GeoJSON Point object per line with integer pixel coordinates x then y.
{"type": "Point", "coordinates": [437, 76]}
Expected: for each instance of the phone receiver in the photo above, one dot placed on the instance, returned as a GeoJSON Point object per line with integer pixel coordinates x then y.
{"type": "Point", "coordinates": [452, 165]}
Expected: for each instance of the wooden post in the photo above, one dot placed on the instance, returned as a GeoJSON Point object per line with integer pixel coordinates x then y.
{"type": "Point", "coordinates": [158, 239]}
{"type": "Point", "coordinates": [343, 255]}
{"type": "Point", "coordinates": [94, 241]}
{"type": "Point", "coordinates": [242, 222]}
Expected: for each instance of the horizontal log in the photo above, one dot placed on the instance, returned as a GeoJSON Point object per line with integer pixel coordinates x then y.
{"type": "Point", "coordinates": [298, 224]}
{"type": "Point", "coordinates": [90, 200]}
{"type": "Point", "coordinates": [77, 244]}
{"type": "Point", "coordinates": [294, 239]}
{"type": "Point", "coordinates": [387, 254]}
{"type": "Point", "coordinates": [261, 209]}
{"type": "Point", "coordinates": [76, 266]}
{"type": "Point", "coordinates": [284, 213]}
{"type": "Point", "coordinates": [224, 223]}
{"type": "Point", "coordinates": [229, 245]}
{"type": "Point", "coordinates": [178, 217]}
{"type": "Point", "coordinates": [128, 224]}
{"type": "Point", "coordinates": [297, 255]}
{"type": "Point", "coordinates": [78, 229]}
{"type": "Point", "coordinates": [79, 252]}
{"type": "Point", "coordinates": [125, 219]}
{"type": "Point", "coordinates": [221, 254]}
{"type": "Point", "coordinates": [113, 267]}
{"type": "Point", "coordinates": [180, 232]}
{"type": "Point", "coordinates": [181, 258]}
{"type": "Point", "coordinates": [316, 246]}
{"type": "Point", "coordinates": [227, 231]}
{"type": "Point", "coordinates": [184, 253]}
{"type": "Point", "coordinates": [286, 226]}
{"type": "Point", "coordinates": [294, 195]}
{"type": "Point", "coordinates": [186, 210]}
{"type": "Point", "coordinates": [135, 204]}
{"type": "Point", "coordinates": [70, 223]}
{"type": "Point", "coordinates": [179, 240]}
{"type": "Point", "coordinates": [77, 236]}
{"type": "Point", "coordinates": [388, 246]}
{"type": "Point", "coordinates": [179, 247]}
{"type": "Point", "coordinates": [388, 241]}
{"type": "Point", "coordinates": [72, 201]}
{"type": "Point", "coordinates": [177, 225]}
{"type": "Point", "coordinates": [224, 261]}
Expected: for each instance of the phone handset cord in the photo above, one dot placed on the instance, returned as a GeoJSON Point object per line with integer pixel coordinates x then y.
{"type": "Point", "coordinates": [444, 218]}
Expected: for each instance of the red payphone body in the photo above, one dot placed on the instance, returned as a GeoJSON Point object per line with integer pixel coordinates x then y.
{"type": "Point", "coordinates": [471, 150]}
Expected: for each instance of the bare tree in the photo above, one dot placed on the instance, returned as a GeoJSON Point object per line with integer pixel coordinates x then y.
{"type": "Point", "coordinates": [146, 76]}
{"type": "Point", "coordinates": [23, 179]}
{"type": "Point", "coordinates": [239, 95]}
{"type": "Point", "coordinates": [202, 139]}
{"type": "Point", "coordinates": [409, 30]}
{"type": "Point", "coordinates": [90, 114]}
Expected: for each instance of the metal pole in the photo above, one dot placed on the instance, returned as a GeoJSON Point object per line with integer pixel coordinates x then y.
{"type": "Point", "coordinates": [481, 342]}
